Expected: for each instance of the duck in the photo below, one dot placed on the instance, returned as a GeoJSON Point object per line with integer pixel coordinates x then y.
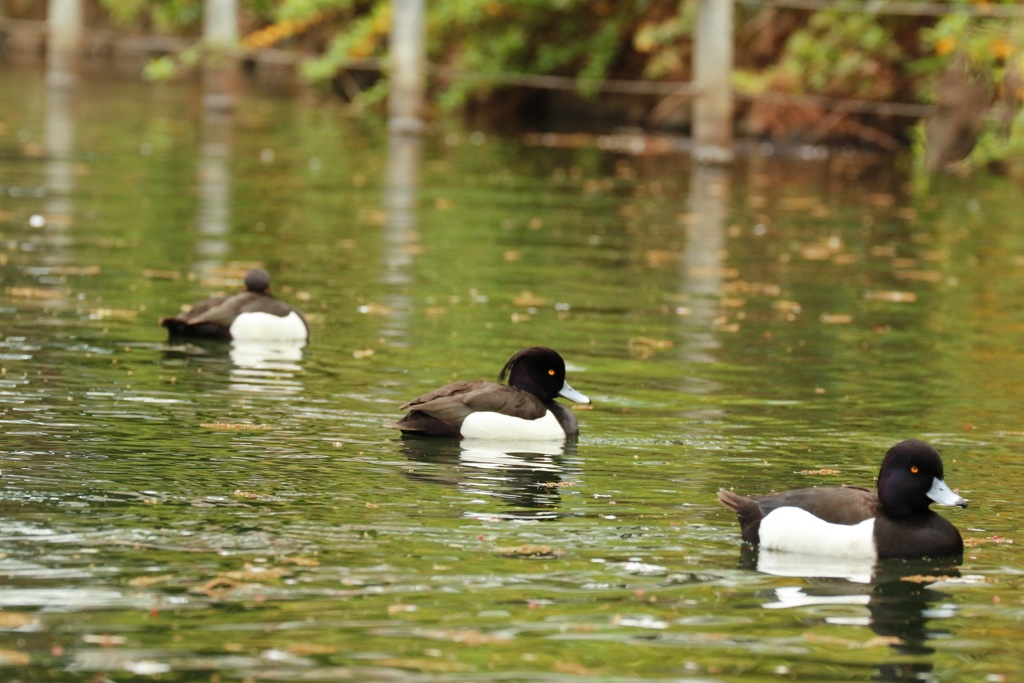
{"type": "Point", "coordinates": [522, 409]}
{"type": "Point", "coordinates": [849, 522]}
{"type": "Point", "coordinates": [250, 315]}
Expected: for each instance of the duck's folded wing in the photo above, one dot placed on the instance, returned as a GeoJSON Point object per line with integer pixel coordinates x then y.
{"type": "Point", "coordinates": [835, 504]}
{"type": "Point", "coordinates": [226, 310]}
{"type": "Point", "coordinates": [453, 402]}
{"type": "Point", "coordinates": [197, 309]}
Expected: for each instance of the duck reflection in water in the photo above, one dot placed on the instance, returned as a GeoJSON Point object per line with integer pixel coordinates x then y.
{"type": "Point", "coordinates": [268, 366]}
{"type": "Point", "coordinates": [901, 598]}
{"type": "Point", "coordinates": [528, 476]}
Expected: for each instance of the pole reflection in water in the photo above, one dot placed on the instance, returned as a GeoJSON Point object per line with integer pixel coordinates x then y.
{"type": "Point", "coordinates": [59, 169]}
{"type": "Point", "coordinates": [900, 598]}
{"type": "Point", "coordinates": [213, 177]}
{"type": "Point", "coordinates": [703, 260]}
{"type": "Point", "coordinates": [527, 475]}
{"type": "Point", "coordinates": [703, 272]}
{"type": "Point", "coordinates": [401, 199]}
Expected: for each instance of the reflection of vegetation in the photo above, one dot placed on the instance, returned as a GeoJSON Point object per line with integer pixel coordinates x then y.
{"type": "Point", "coordinates": [840, 52]}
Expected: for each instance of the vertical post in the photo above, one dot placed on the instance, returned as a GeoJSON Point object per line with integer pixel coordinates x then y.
{"type": "Point", "coordinates": [712, 66]}
{"type": "Point", "coordinates": [220, 43]}
{"type": "Point", "coordinates": [63, 41]}
{"type": "Point", "coordinates": [408, 70]}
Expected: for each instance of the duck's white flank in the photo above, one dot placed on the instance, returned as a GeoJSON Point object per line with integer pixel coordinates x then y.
{"type": "Point", "coordinates": [261, 326]}
{"type": "Point", "coordinates": [498, 426]}
{"type": "Point", "coordinates": [794, 530]}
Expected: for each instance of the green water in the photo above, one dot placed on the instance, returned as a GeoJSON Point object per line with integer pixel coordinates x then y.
{"type": "Point", "coordinates": [742, 328]}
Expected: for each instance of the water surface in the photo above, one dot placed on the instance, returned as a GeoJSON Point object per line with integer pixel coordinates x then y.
{"type": "Point", "coordinates": [196, 512]}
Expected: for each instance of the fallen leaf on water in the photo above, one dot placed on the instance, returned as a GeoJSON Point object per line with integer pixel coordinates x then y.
{"type": "Point", "coordinates": [466, 636]}
{"type": "Point", "coordinates": [920, 275]}
{"type": "Point", "coordinates": [399, 608]}
{"type": "Point", "coordinates": [13, 658]}
{"type": "Point", "coordinates": [787, 306]}
{"type": "Point", "coordinates": [34, 293]}
{"type": "Point", "coordinates": [104, 639]}
{"type": "Point", "coordinates": [216, 587]}
{"type": "Point", "coordinates": [74, 270]}
{"type": "Point", "coordinates": [528, 298]}
{"type": "Point", "coordinates": [923, 578]}
{"type": "Point", "coordinates": [239, 493]}
{"type": "Point", "coordinates": [154, 274]}
{"type": "Point", "coordinates": [662, 257]}
{"type": "Point", "coordinates": [234, 426]}
{"type": "Point", "coordinates": [646, 347]}
{"type": "Point", "coordinates": [890, 296]}
{"type": "Point", "coordinates": [836, 318]}
{"type": "Point", "coordinates": [360, 354]}
{"type": "Point", "coordinates": [881, 199]}
{"type": "Point", "coordinates": [14, 620]}
{"type": "Point", "coordinates": [799, 203]}
{"type": "Point", "coordinates": [146, 581]}
{"type": "Point", "coordinates": [825, 471]}
{"type": "Point", "coordinates": [431, 665]}
{"type": "Point", "coordinates": [255, 573]}
{"type": "Point", "coordinates": [374, 309]}
{"type": "Point", "coordinates": [114, 313]}
{"type": "Point", "coordinates": [529, 551]}
{"type": "Point", "coordinates": [975, 541]}
{"type": "Point", "coordinates": [306, 649]}
{"type": "Point", "coordinates": [877, 641]}
{"type": "Point", "coordinates": [752, 288]}
{"type": "Point", "coordinates": [572, 668]}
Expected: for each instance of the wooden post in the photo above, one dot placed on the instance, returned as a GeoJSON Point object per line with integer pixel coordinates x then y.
{"type": "Point", "coordinates": [63, 41]}
{"type": "Point", "coordinates": [220, 45]}
{"type": "Point", "coordinates": [712, 66]}
{"type": "Point", "coordinates": [408, 66]}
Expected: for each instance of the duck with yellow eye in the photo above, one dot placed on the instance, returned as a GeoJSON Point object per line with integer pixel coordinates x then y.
{"type": "Point", "coordinates": [522, 410]}
{"type": "Point", "coordinates": [895, 521]}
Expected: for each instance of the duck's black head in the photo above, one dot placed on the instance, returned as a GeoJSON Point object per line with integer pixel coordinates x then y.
{"type": "Point", "coordinates": [540, 371]}
{"type": "Point", "coordinates": [257, 281]}
{"type": "Point", "coordinates": [911, 478]}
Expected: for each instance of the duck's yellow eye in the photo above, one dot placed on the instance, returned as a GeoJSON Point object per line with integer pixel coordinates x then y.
{"type": "Point", "coordinates": [913, 469]}
{"type": "Point", "coordinates": [551, 372]}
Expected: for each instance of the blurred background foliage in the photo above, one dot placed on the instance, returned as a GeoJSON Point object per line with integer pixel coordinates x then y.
{"type": "Point", "coordinates": [814, 57]}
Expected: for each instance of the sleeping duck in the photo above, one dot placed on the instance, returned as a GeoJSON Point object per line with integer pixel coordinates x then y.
{"type": "Point", "coordinates": [251, 315]}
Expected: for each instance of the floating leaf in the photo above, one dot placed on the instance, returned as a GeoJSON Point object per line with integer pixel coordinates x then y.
{"type": "Point", "coordinates": [974, 542]}
{"type": "Point", "coordinates": [238, 426]}
{"type": "Point", "coordinates": [528, 298]}
{"type": "Point", "coordinates": [10, 621]}
{"type": "Point", "coordinates": [34, 293]}
{"type": "Point", "coordinates": [895, 297]}
{"type": "Point", "coordinates": [147, 581]}
{"type": "Point", "coordinates": [529, 552]}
